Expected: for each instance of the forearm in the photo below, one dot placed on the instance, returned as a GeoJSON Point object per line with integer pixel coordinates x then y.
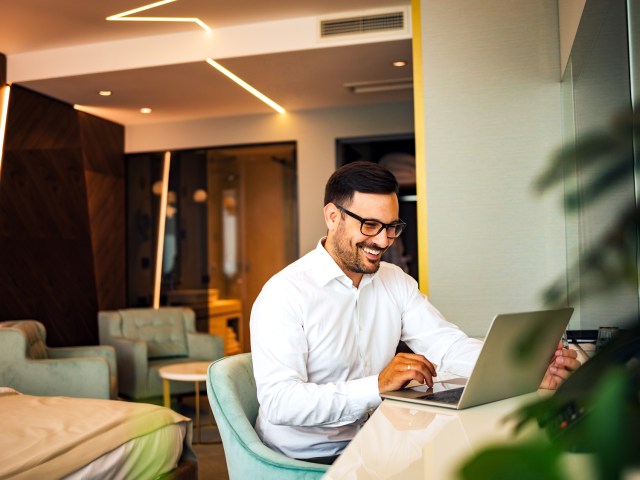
{"type": "Point", "coordinates": [287, 399]}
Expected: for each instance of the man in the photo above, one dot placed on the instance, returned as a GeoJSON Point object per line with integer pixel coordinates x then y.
{"type": "Point", "coordinates": [324, 330]}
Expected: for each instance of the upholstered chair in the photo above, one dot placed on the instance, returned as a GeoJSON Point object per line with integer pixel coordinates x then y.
{"type": "Point", "coordinates": [147, 339]}
{"type": "Point", "coordinates": [231, 389]}
{"type": "Point", "coordinates": [29, 366]}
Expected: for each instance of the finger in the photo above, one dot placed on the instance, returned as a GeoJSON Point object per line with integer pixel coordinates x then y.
{"type": "Point", "coordinates": [566, 352]}
{"type": "Point", "coordinates": [566, 361]}
{"type": "Point", "coordinates": [571, 364]}
{"type": "Point", "coordinates": [415, 367]}
{"type": "Point", "coordinates": [413, 370]}
{"type": "Point", "coordinates": [416, 359]}
{"type": "Point", "coordinates": [421, 373]}
{"type": "Point", "coordinates": [559, 374]}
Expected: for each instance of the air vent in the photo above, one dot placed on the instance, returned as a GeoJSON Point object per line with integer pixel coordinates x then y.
{"type": "Point", "coordinates": [381, 22]}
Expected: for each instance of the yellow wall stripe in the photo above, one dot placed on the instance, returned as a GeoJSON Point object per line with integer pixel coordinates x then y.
{"type": "Point", "coordinates": [421, 165]}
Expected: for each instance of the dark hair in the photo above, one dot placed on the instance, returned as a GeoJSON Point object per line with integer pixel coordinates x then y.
{"type": "Point", "coordinates": [361, 176]}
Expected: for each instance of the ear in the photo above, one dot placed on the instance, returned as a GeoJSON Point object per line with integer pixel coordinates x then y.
{"type": "Point", "coordinates": [331, 216]}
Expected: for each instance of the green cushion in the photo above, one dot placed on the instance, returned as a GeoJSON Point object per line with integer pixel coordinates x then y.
{"type": "Point", "coordinates": [163, 330]}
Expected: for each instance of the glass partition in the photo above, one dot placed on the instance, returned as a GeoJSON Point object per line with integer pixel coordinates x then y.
{"type": "Point", "coordinates": [597, 90]}
{"type": "Point", "coordinates": [229, 219]}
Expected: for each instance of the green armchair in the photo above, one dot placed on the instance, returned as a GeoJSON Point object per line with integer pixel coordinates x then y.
{"type": "Point", "coordinates": [231, 389]}
{"type": "Point", "coordinates": [28, 365]}
{"type": "Point", "coordinates": [146, 339]}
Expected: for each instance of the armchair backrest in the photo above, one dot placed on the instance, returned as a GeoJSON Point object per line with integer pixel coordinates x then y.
{"type": "Point", "coordinates": [231, 389]}
{"type": "Point", "coordinates": [163, 330]}
{"type": "Point", "coordinates": [35, 337]}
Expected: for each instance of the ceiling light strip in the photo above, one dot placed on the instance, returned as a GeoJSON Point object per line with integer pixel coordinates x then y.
{"type": "Point", "coordinates": [246, 86]}
{"type": "Point", "coordinates": [126, 16]}
{"type": "Point", "coordinates": [3, 120]}
{"type": "Point", "coordinates": [162, 220]}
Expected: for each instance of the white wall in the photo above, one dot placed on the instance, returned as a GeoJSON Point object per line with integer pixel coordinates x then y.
{"type": "Point", "coordinates": [569, 13]}
{"type": "Point", "coordinates": [314, 131]}
{"type": "Point", "coordinates": [492, 118]}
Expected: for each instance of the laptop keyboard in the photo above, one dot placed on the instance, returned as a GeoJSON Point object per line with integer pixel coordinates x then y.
{"type": "Point", "coordinates": [451, 396]}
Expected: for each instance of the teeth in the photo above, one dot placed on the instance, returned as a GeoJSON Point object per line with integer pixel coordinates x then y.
{"type": "Point", "coordinates": [372, 251]}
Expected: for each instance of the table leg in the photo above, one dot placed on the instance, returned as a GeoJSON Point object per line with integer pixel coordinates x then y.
{"type": "Point", "coordinates": [198, 412]}
{"type": "Point", "coordinates": [166, 392]}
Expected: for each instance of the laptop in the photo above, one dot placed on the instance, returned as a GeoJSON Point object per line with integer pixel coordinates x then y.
{"type": "Point", "coordinates": [514, 358]}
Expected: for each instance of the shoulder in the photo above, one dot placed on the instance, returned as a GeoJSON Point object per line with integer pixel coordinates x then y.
{"type": "Point", "coordinates": [395, 281]}
{"type": "Point", "coordinates": [298, 273]}
{"type": "Point", "coordinates": [391, 272]}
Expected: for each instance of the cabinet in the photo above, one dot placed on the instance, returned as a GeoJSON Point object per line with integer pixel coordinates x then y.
{"type": "Point", "coordinates": [225, 320]}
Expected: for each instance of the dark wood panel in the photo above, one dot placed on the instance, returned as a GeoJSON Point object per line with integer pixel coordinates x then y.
{"type": "Point", "coordinates": [102, 145]}
{"type": "Point", "coordinates": [43, 195]}
{"type": "Point", "coordinates": [49, 281]}
{"type": "Point", "coordinates": [103, 152]}
{"type": "Point", "coordinates": [61, 218]}
{"type": "Point", "coordinates": [39, 122]}
{"type": "Point", "coordinates": [106, 211]}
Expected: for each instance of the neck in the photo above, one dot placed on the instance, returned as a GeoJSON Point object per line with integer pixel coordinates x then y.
{"type": "Point", "coordinates": [353, 276]}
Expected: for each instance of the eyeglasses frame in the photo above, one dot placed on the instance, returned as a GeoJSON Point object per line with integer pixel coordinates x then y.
{"type": "Point", "coordinates": [384, 226]}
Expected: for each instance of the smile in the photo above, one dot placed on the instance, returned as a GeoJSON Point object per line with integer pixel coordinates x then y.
{"type": "Point", "coordinates": [372, 250]}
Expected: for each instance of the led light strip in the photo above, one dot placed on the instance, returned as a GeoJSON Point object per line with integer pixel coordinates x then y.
{"type": "Point", "coordinates": [166, 166]}
{"type": "Point", "coordinates": [125, 16]}
{"type": "Point", "coordinates": [246, 86]}
{"type": "Point", "coordinates": [3, 119]}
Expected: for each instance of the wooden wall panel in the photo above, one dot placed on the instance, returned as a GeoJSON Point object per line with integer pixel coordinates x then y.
{"type": "Point", "coordinates": [61, 193]}
{"type": "Point", "coordinates": [103, 147]}
{"type": "Point", "coordinates": [106, 209]}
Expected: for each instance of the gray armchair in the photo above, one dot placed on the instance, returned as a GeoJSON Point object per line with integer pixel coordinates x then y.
{"type": "Point", "coordinates": [146, 339]}
{"type": "Point", "coordinates": [31, 367]}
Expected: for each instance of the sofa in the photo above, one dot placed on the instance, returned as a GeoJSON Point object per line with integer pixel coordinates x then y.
{"type": "Point", "coordinates": [31, 367]}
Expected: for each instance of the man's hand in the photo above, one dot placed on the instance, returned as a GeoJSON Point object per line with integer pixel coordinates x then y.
{"type": "Point", "coordinates": [402, 369]}
{"type": "Point", "coordinates": [564, 362]}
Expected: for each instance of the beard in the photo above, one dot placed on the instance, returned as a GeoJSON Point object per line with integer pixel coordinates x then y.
{"type": "Point", "coordinates": [352, 259]}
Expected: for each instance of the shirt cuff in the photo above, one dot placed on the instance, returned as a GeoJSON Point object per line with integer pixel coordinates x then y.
{"type": "Point", "coordinates": [364, 394]}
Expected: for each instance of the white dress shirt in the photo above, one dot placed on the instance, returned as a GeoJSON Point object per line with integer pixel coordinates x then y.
{"type": "Point", "coordinates": [319, 343]}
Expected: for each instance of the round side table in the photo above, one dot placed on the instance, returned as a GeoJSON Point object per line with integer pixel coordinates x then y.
{"type": "Point", "coordinates": [195, 372]}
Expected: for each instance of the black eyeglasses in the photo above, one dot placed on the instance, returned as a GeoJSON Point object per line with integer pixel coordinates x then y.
{"type": "Point", "coordinates": [371, 228]}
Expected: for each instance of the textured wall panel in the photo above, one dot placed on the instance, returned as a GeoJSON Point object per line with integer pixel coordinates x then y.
{"type": "Point", "coordinates": [59, 218]}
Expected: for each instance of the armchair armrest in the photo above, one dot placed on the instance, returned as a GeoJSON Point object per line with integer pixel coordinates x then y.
{"type": "Point", "coordinates": [86, 377]}
{"type": "Point", "coordinates": [133, 364]}
{"type": "Point", "coordinates": [203, 346]}
{"type": "Point", "coordinates": [105, 351]}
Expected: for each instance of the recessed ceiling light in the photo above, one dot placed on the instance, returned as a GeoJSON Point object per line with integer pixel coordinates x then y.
{"type": "Point", "coordinates": [399, 63]}
{"type": "Point", "coordinates": [104, 93]}
{"type": "Point", "coordinates": [145, 110]}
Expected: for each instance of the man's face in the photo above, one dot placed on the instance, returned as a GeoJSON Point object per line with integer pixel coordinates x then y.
{"type": "Point", "coordinates": [354, 252]}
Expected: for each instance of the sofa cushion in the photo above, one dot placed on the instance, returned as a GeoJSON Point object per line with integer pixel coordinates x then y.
{"type": "Point", "coordinates": [35, 337]}
{"type": "Point", "coordinates": [163, 330]}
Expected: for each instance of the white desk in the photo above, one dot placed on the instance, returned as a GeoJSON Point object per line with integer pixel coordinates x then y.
{"type": "Point", "coordinates": [407, 441]}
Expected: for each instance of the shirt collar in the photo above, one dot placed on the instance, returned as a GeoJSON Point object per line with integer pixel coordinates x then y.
{"type": "Point", "coordinates": [328, 269]}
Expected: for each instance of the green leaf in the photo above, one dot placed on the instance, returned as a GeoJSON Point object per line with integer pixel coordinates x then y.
{"type": "Point", "coordinates": [531, 461]}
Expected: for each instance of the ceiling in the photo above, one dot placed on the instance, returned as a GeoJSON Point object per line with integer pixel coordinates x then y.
{"type": "Point", "coordinates": [67, 50]}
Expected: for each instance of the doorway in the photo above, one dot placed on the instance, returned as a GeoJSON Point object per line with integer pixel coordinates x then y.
{"type": "Point", "coordinates": [230, 224]}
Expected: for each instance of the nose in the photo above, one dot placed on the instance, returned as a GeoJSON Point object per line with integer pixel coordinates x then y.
{"type": "Point", "coordinates": [382, 240]}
